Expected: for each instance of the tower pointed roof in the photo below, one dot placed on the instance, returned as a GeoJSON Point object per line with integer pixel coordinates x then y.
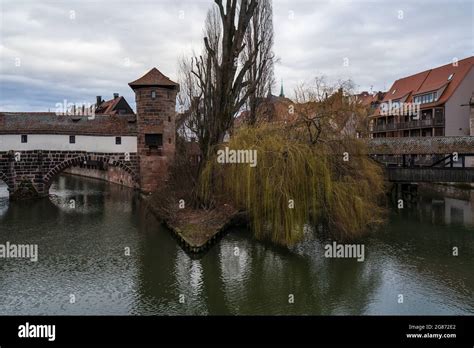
{"type": "Point", "coordinates": [153, 78]}
{"type": "Point", "coordinates": [282, 94]}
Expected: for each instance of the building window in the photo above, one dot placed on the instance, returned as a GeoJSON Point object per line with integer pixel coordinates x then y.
{"type": "Point", "coordinates": [169, 140]}
{"type": "Point", "coordinates": [425, 98]}
{"type": "Point", "coordinates": [72, 139]}
{"type": "Point", "coordinates": [169, 118]}
{"type": "Point", "coordinates": [24, 138]}
{"type": "Point", "coordinates": [154, 140]}
{"type": "Point", "coordinates": [118, 140]}
{"type": "Point", "coordinates": [153, 94]}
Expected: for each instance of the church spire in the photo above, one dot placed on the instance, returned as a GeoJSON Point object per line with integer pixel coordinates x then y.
{"type": "Point", "coordinates": [269, 95]}
{"type": "Point", "coordinates": [282, 94]}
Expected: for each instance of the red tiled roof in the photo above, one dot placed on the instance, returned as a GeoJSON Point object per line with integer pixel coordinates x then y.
{"type": "Point", "coordinates": [431, 80]}
{"type": "Point", "coordinates": [366, 98]}
{"type": "Point", "coordinates": [153, 78]}
{"type": "Point", "coordinates": [405, 86]}
{"type": "Point", "coordinates": [439, 77]}
{"type": "Point", "coordinates": [111, 107]}
{"type": "Point", "coordinates": [107, 107]}
{"type": "Point", "coordinates": [50, 123]}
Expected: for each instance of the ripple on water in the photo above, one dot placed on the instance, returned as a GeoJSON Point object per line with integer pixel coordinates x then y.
{"type": "Point", "coordinates": [82, 253]}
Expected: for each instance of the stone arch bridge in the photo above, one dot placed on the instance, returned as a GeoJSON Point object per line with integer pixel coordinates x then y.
{"type": "Point", "coordinates": [29, 174]}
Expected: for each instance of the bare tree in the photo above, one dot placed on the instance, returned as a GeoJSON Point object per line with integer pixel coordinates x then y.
{"type": "Point", "coordinates": [328, 111]}
{"type": "Point", "coordinates": [259, 42]}
{"type": "Point", "coordinates": [221, 77]}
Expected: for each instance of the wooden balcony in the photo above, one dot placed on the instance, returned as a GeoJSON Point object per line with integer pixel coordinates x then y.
{"type": "Point", "coordinates": [429, 123]}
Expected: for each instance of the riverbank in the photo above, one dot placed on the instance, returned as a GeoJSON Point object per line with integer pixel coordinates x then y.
{"type": "Point", "coordinates": [198, 229]}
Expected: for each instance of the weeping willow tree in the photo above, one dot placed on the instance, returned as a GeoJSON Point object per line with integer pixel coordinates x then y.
{"type": "Point", "coordinates": [296, 182]}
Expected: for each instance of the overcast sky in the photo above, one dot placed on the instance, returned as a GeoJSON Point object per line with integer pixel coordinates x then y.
{"type": "Point", "coordinates": [54, 50]}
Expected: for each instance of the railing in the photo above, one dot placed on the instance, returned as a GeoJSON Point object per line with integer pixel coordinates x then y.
{"type": "Point", "coordinates": [465, 175]}
{"type": "Point", "coordinates": [440, 145]}
{"type": "Point", "coordinates": [409, 125]}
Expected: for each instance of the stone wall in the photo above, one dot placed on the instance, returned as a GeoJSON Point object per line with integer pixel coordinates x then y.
{"type": "Point", "coordinates": [112, 174]}
{"type": "Point", "coordinates": [30, 173]}
{"type": "Point", "coordinates": [155, 116]}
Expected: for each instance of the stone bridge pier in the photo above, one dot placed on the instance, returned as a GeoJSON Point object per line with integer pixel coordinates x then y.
{"type": "Point", "coordinates": [29, 174]}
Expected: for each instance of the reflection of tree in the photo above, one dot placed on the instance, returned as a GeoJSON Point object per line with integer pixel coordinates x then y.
{"type": "Point", "coordinates": [156, 282]}
{"type": "Point", "coordinates": [260, 278]}
{"type": "Point", "coordinates": [3, 198]}
{"type": "Point", "coordinates": [437, 205]}
{"type": "Point", "coordinates": [261, 281]}
{"type": "Point", "coordinates": [189, 282]}
{"type": "Point", "coordinates": [235, 265]}
{"type": "Point", "coordinates": [213, 282]}
{"type": "Point", "coordinates": [427, 250]}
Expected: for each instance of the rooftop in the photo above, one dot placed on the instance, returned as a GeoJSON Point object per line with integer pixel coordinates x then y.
{"type": "Point", "coordinates": [449, 76]}
{"type": "Point", "coordinates": [153, 78]}
{"type": "Point", "coordinates": [51, 123]}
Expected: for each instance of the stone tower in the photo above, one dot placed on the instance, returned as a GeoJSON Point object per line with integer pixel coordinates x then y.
{"type": "Point", "coordinates": [155, 96]}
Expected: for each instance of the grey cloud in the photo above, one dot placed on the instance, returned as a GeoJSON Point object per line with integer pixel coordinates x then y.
{"type": "Point", "coordinates": [110, 43]}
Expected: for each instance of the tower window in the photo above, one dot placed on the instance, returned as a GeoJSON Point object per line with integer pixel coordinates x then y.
{"type": "Point", "coordinates": [153, 94]}
{"type": "Point", "coordinates": [72, 139]}
{"type": "Point", "coordinates": [169, 140]}
{"type": "Point", "coordinates": [24, 138]}
{"type": "Point", "coordinates": [154, 140]}
{"type": "Point", "coordinates": [169, 118]}
{"type": "Point", "coordinates": [118, 140]}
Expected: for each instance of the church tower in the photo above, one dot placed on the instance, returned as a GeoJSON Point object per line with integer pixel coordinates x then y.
{"type": "Point", "coordinates": [155, 96]}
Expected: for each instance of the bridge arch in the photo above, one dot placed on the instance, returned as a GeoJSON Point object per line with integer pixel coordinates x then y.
{"type": "Point", "coordinates": [76, 161]}
{"type": "Point", "coordinates": [4, 178]}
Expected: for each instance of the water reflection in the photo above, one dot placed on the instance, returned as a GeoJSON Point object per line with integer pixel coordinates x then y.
{"type": "Point", "coordinates": [3, 198]}
{"type": "Point", "coordinates": [439, 204]}
{"type": "Point", "coordinates": [82, 252]}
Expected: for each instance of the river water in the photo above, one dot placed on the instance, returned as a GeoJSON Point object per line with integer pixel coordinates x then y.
{"type": "Point", "coordinates": [84, 266]}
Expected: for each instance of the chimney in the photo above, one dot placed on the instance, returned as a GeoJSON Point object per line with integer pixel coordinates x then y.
{"type": "Point", "coordinates": [99, 100]}
{"type": "Point", "coordinates": [116, 95]}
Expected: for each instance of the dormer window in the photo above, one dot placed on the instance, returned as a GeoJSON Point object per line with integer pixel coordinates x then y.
{"type": "Point", "coordinates": [153, 94]}
{"type": "Point", "coordinates": [450, 77]}
{"type": "Point", "coordinates": [426, 98]}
